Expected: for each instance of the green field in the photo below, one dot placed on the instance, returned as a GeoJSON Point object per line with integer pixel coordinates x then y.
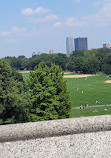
{"type": "Point", "coordinates": [25, 76]}
{"type": "Point", "coordinates": [90, 112]}
{"type": "Point", "coordinates": [92, 91]}
{"type": "Point", "coordinates": [95, 92]}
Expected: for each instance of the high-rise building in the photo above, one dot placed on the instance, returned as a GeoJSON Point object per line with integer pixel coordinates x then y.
{"type": "Point", "coordinates": [81, 43]}
{"type": "Point", "coordinates": [107, 45]}
{"type": "Point", "coordinates": [69, 45]}
{"type": "Point", "coordinates": [51, 51]}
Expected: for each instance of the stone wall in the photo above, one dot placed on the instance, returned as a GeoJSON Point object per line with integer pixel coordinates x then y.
{"type": "Point", "coordinates": [85, 137]}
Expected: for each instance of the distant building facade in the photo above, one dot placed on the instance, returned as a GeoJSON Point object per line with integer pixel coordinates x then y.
{"type": "Point", "coordinates": [107, 45]}
{"type": "Point", "coordinates": [51, 52]}
{"type": "Point", "coordinates": [69, 45]}
{"type": "Point", "coordinates": [81, 43]}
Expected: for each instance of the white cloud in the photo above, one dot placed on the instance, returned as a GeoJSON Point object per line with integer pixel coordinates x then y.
{"type": "Point", "coordinates": [100, 2]}
{"type": "Point", "coordinates": [15, 30]}
{"type": "Point", "coordinates": [57, 24]}
{"type": "Point", "coordinates": [46, 19]}
{"type": "Point", "coordinates": [29, 11]}
{"type": "Point", "coordinates": [74, 22]}
{"type": "Point", "coordinates": [18, 30]}
{"type": "Point", "coordinates": [96, 3]}
{"type": "Point", "coordinates": [101, 18]}
{"type": "Point", "coordinates": [17, 33]}
{"type": "Point", "coordinates": [106, 10]}
{"type": "Point", "coordinates": [5, 33]}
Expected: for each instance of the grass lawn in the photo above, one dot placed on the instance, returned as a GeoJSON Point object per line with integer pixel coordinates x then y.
{"type": "Point", "coordinates": [91, 90]}
{"type": "Point", "coordinates": [90, 112]}
{"type": "Point", "coordinates": [25, 76]}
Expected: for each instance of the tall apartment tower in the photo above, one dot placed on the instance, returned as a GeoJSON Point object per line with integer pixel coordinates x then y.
{"type": "Point", "coordinates": [69, 45]}
{"type": "Point", "coordinates": [51, 51]}
{"type": "Point", "coordinates": [81, 43]}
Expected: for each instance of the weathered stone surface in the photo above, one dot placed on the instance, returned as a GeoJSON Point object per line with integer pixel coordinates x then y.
{"type": "Point", "coordinates": [70, 138]}
{"type": "Point", "coordinates": [54, 128]}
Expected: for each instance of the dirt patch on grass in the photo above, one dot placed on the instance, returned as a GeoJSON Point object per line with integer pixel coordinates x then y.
{"type": "Point", "coordinates": [68, 73]}
{"type": "Point", "coordinates": [24, 72]}
{"type": "Point", "coordinates": [77, 76]}
{"type": "Point", "coordinates": [65, 76]}
{"type": "Point", "coordinates": [108, 81]}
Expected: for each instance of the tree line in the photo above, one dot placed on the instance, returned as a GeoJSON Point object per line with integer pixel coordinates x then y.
{"type": "Point", "coordinates": [87, 62]}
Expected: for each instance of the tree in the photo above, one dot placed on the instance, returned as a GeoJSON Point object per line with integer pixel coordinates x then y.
{"type": "Point", "coordinates": [49, 96]}
{"type": "Point", "coordinates": [106, 69]}
{"type": "Point", "coordinates": [77, 53]}
{"type": "Point", "coordinates": [104, 50]}
{"type": "Point", "coordinates": [24, 63]}
{"type": "Point", "coordinates": [78, 64]}
{"type": "Point", "coordinates": [61, 60]}
{"type": "Point", "coordinates": [91, 65]}
{"type": "Point", "coordinates": [62, 94]}
{"type": "Point", "coordinates": [72, 62]}
{"type": "Point", "coordinates": [17, 76]}
{"type": "Point", "coordinates": [13, 100]}
{"type": "Point", "coordinates": [90, 53]}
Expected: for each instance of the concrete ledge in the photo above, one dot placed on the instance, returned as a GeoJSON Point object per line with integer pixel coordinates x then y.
{"type": "Point", "coordinates": [54, 128]}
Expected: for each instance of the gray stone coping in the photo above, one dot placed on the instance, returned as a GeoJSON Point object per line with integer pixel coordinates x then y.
{"type": "Point", "coordinates": [33, 130]}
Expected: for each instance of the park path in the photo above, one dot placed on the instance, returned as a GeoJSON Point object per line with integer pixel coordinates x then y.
{"type": "Point", "coordinates": [93, 106]}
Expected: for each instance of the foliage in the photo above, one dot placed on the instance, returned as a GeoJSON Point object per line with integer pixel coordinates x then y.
{"type": "Point", "coordinates": [61, 60]}
{"type": "Point", "coordinates": [45, 96]}
{"type": "Point", "coordinates": [17, 76]}
{"type": "Point", "coordinates": [61, 91]}
{"type": "Point", "coordinates": [78, 64]}
{"type": "Point", "coordinates": [49, 96]}
{"type": "Point", "coordinates": [90, 65]}
{"type": "Point", "coordinates": [82, 61]}
{"type": "Point", "coordinates": [77, 53]}
{"type": "Point", "coordinates": [19, 63]}
{"type": "Point", "coordinates": [13, 100]}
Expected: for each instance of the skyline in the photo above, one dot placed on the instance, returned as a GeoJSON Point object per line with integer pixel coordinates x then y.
{"type": "Point", "coordinates": [39, 26]}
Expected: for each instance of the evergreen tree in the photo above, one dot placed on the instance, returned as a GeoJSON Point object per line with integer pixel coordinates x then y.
{"type": "Point", "coordinates": [62, 94]}
{"type": "Point", "coordinates": [13, 100]}
{"type": "Point", "coordinates": [49, 96]}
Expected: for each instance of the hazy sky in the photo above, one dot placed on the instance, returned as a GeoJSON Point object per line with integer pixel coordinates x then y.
{"type": "Point", "coordinates": [28, 26]}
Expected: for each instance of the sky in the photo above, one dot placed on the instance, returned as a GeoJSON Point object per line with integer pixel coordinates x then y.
{"type": "Point", "coordinates": [28, 26]}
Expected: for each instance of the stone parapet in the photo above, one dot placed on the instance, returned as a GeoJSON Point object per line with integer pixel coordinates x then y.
{"type": "Point", "coordinates": [44, 129]}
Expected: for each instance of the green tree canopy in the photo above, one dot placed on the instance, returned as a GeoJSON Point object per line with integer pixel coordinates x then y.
{"type": "Point", "coordinates": [49, 96]}
{"type": "Point", "coordinates": [14, 101]}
